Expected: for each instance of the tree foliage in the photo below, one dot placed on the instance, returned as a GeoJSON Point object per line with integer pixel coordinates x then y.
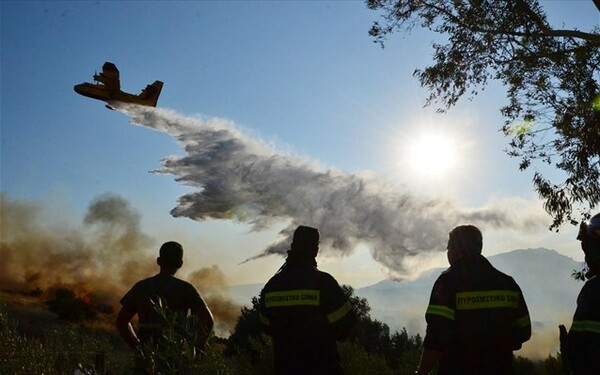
{"type": "Point", "coordinates": [552, 78]}
{"type": "Point", "coordinates": [248, 330]}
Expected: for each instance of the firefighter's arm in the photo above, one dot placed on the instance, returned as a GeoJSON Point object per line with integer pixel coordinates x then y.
{"type": "Point", "coordinates": [123, 324]}
{"type": "Point", "coordinates": [206, 319]}
{"type": "Point", "coordinates": [440, 326]}
{"type": "Point", "coordinates": [340, 313]}
{"type": "Point", "coordinates": [564, 348]}
{"type": "Point", "coordinates": [521, 324]}
{"type": "Point", "coordinates": [344, 322]}
{"type": "Point", "coordinates": [264, 320]}
{"type": "Point", "coordinates": [429, 358]}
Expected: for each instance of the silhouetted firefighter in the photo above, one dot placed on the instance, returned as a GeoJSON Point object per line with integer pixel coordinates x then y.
{"type": "Point", "coordinates": [163, 289]}
{"type": "Point", "coordinates": [584, 335]}
{"type": "Point", "coordinates": [476, 315]}
{"type": "Point", "coordinates": [305, 311]}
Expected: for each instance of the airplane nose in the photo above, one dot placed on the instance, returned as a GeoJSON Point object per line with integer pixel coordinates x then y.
{"type": "Point", "coordinates": [81, 89]}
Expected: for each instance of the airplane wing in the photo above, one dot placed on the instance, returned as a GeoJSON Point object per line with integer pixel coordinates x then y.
{"type": "Point", "coordinates": [109, 76]}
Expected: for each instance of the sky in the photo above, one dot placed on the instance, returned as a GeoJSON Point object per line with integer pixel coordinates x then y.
{"type": "Point", "coordinates": [272, 114]}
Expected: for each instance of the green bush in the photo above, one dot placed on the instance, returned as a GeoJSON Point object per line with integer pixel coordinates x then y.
{"type": "Point", "coordinates": [356, 360]}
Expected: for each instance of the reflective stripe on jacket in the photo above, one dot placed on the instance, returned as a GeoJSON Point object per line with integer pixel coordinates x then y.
{"type": "Point", "coordinates": [476, 317]}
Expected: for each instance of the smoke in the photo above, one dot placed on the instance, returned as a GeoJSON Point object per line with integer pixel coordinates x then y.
{"type": "Point", "coordinates": [545, 339]}
{"type": "Point", "coordinates": [100, 259]}
{"type": "Point", "coordinates": [211, 281]}
{"type": "Point", "coordinates": [240, 178]}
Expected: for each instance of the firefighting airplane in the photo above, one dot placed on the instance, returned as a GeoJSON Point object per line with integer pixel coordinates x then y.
{"type": "Point", "coordinates": [107, 87]}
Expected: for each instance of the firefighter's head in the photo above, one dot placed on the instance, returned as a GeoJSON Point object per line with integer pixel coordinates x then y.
{"type": "Point", "coordinates": [589, 235]}
{"type": "Point", "coordinates": [464, 241]}
{"type": "Point", "coordinates": [170, 256]}
{"type": "Point", "coordinates": [305, 242]}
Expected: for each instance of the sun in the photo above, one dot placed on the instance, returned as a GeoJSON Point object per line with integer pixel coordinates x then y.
{"type": "Point", "coordinates": [432, 154]}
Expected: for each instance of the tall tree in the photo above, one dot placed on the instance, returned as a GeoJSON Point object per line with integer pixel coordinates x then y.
{"type": "Point", "coordinates": [552, 78]}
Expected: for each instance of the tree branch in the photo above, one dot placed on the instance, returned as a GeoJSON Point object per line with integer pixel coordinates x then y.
{"type": "Point", "coordinates": [534, 16]}
{"type": "Point", "coordinates": [542, 34]}
{"type": "Point", "coordinates": [545, 33]}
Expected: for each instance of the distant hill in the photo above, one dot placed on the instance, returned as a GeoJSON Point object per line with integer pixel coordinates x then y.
{"type": "Point", "coordinates": [544, 276]}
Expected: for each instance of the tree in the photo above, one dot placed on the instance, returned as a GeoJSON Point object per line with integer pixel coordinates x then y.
{"type": "Point", "coordinates": [399, 350]}
{"type": "Point", "coordinates": [551, 75]}
{"type": "Point", "coordinates": [247, 331]}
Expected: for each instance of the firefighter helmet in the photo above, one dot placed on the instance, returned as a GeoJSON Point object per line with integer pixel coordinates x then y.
{"type": "Point", "coordinates": [589, 235]}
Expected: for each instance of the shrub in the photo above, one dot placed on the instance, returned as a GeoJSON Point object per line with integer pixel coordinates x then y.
{"type": "Point", "coordinates": [69, 307]}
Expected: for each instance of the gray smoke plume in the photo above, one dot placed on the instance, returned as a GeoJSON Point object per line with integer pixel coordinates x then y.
{"type": "Point", "coordinates": [241, 178]}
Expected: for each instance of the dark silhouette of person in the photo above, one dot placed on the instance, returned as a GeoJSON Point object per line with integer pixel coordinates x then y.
{"type": "Point", "coordinates": [305, 311]}
{"type": "Point", "coordinates": [178, 296]}
{"type": "Point", "coordinates": [584, 335]}
{"type": "Point", "coordinates": [476, 315]}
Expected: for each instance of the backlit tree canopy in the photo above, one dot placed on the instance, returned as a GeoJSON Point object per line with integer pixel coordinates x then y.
{"type": "Point", "coordinates": [552, 78]}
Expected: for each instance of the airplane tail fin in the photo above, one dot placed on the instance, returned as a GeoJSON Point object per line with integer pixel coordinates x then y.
{"type": "Point", "coordinates": [151, 93]}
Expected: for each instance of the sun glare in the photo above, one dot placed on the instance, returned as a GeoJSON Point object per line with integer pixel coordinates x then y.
{"type": "Point", "coordinates": [431, 154]}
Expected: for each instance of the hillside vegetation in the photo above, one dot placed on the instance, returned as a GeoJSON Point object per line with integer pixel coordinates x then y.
{"type": "Point", "coordinates": [36, 341]}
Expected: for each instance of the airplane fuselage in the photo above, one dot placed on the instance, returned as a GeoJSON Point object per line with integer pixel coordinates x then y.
{"type": "Point", "coordinates": [101, 92]}
{"type": "Point", "coordinates": [107, 87]}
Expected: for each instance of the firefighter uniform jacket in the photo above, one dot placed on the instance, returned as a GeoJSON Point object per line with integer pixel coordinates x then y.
{"type": "Point", "coordinates": [476, 317]}
{"type": "Point", "coordinates": [584, 336]}
{"type": "Point", "coordinates": [305, 312]}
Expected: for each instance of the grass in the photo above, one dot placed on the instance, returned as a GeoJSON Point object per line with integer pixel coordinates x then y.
{"type": "Point", "coordinates": [34, 341]}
